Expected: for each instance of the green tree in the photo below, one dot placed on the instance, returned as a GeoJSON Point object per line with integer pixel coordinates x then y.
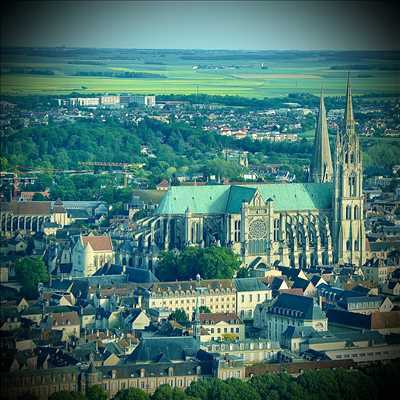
{"type": "Point", "coordinates": [64, 395]}
{"type": "Point", "coordinates": [165, 392]}
{"type": "Point", "coordinates": [96, 392]}
{"type": "Point", "coordinates": [243, 273]}
{"type": "Point", "coordinates": [30, 271]}
{"type": "Point", "coordinates": [38, 197]}
{"type": "Point", "coordinates": [204, 309]}
{"type": "Point", "coordinates": [211, 263]}
{"type": "Point", "coordinates": [131, 394]}
{"type": "Point", "coordinates": [179, 316]}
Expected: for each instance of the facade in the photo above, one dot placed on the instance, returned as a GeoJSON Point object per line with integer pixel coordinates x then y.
{"type": "Point", "coordinates": [298, 225]}
{"type": "Point", "coordinates": [220, 326]}
{"type": "Point", "coordinates": [249, 293]}
{"type": "Point", "coordinates": [287, 310]}
{"type": "Point", "coordinates": [252, 351]}
{"type": "Point", "coordinates": [31, 216]}
{"type": "Point", "coordinates": [217, 295]}
{"type": "Point", "coordinates": [240, 295]}
{"type": "Point", "coordinates": [90, 253]}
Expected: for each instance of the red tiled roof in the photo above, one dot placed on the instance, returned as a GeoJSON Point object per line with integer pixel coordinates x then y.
{"type": "Point", "coordinates": [27, 208]}
{"type": "Point", "coordinates": [385, 320]}
{"type": "Point", "coordinates": [163, 183]}
{"type": "Point", "coordinates": [213, 318]}
{"type": "Point", "coordinates": [98, 243]}
{"type": "Point", "coordinates": [66, 318]}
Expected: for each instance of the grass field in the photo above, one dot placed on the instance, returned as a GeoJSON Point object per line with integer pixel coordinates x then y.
{"type": "Point", "coordinates": [243, 77]}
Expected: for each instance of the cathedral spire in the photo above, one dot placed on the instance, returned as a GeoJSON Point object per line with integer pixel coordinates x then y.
{"type": "Point", "coordinates": [321, 166]}
{"type": "Point", "coordinates": [348, 113]}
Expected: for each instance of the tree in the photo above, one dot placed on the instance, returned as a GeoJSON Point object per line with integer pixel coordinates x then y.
{"type": "Point", "coordinates": [38, 197]}
{"type": "Point", "coordinates": [179, 316]}
{"type": "Point", "coordinates": [64, 395]}
{"type": "Point", "coordinates": [131, 394]}
{"type": "Point", "coordinates": [165, 392]}
{"type": "Point", "coordinates": [28, 396]}
{"type": "Point", "coordinates": [243, 273]}
{"type": "Point", "coordinates": [204, 309]}
{"type": "Point", "coordinates": [30, 271]}
{"type": "Point", "coordinates": [96, 392]}
{"type": "Point", "coordinates": [211, 263]}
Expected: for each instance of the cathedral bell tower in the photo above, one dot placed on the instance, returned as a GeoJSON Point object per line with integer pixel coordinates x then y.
{"type": "Point", "coordinates": [348, 216]}
{"type": "Point", "coordinates": [321, 165]}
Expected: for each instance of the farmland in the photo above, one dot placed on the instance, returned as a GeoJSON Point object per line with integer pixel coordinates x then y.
{"type": "Point", "coordinates": [256, 74]}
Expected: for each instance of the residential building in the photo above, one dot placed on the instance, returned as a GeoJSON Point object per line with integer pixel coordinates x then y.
{"type": "Point", "coordinates": [220, 326]}
{"type": "Point", "coordinates": [272, 318]}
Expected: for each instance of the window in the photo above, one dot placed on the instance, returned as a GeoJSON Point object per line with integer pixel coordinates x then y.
{"type": "Point", "coordinates": [277, 228]}
{"type": "Point", "coordinates": [237, 231]}
{"type": "Point", "coordinates": [356, 212]}
{"type": "Point", "coordinates": [348, 245]}
{"type": "Point", "coordinates": [356, 245]}
{"type": "Point", "coordinates": [348, 212]}
{"type": "Point", "coordinates": [352, 185]}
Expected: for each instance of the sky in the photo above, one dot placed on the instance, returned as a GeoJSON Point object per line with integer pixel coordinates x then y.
{"type": "Point", "coordinates": [236, 25]}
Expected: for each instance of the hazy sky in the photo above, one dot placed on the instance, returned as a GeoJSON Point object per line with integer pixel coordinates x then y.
{"type": "Point", "coordinates": [202, 24]}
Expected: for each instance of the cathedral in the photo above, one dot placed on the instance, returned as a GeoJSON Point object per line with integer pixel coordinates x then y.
{"type": "Point", "coordinates": [320, 222]}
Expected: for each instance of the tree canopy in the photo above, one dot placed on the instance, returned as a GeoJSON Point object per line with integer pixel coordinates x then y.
{"type": "Point", "coordinates": [211, 263]}
{"type": "Point", "coordinates": [179, 316]}
{"type": "Point", "coordinates": [30, 271]}
{"type": "Point", "coordinates": [131, 394]}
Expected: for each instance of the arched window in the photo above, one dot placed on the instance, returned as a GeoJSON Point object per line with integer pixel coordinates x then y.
{"type": "Point", "coordinates": [192, 232]}
{"type": "Point", "coordinates": [237, 231]}
{"type": "Point", "coordinates": [348, 212]}
{"type": "Point", "coordinates": [352, 158]}
{"type": "Point", "coordinates": [356, 212]}
{"type": "Point", "coordinates": [356, 245]}
{"type": "Point", "coordinates": [277, 228]}
{"type": "Point", "coordinates": [352, 185]}
{"type": "Point", "coordinates": [346, 158]}
{"type": "Point", "coordinates": [348, 245]}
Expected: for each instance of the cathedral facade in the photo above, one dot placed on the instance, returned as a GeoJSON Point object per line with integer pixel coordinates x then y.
{"type": "Point", "coordinates": [296, 224]}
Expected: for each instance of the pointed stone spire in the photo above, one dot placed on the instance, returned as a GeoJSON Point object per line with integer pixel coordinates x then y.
{"type": "Point", "coordinates": [348, 113]}
{"type": "Point", "coordinates": [321, 166]}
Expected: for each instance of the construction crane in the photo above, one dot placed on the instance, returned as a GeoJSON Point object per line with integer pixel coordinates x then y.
{"type": "Point", "coordinates": [125, 166]}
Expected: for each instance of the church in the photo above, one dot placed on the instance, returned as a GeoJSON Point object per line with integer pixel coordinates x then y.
{"type": "Point", "coordinates": [320, 222]}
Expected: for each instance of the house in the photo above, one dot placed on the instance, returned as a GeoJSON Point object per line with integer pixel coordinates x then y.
{"type": "Point", "coordinates": [392, 288]}
{"type": "Point", "coordinates": [377, 271]}
{"type": "Point", "coordinates": [305, 285]}
{"type": "Point", "coordinates": [220, 326]}
{"type": "Point", "coordinates": [137, 319]}
{"type": "Point", "coordinates": [68, 322]}
{"type": "Point", "coordinates": [90, 253]}
{"type": "Point", "coordinates": [272, 318]}
{"type": "Point", "coordinates": [163, 185]}
{"type": "Point", "coordinates": [88, 317]}
{"type": "Point", "coordinates": [249, 293]}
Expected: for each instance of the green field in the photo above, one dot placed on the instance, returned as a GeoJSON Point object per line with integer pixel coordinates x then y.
{"type": "Point", "coordinates": [247, 79]}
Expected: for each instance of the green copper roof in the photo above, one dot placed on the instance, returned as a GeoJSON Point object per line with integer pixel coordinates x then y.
{"type": "Point", "coordinates": [221, 199]}
{"type": "Point", "coordinates": [210, 199]}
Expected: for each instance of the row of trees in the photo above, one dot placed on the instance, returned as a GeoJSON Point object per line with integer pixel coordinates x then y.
{"type": "Point", "coordinates": [370, 383]}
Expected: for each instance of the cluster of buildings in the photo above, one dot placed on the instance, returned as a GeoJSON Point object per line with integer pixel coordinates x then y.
{"type": "Point", "coordinates": [109, 101]}
{"type": "Point", "coordinates": [116, 328]}
{"type": "Point", "coordinates": [323, 288]}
